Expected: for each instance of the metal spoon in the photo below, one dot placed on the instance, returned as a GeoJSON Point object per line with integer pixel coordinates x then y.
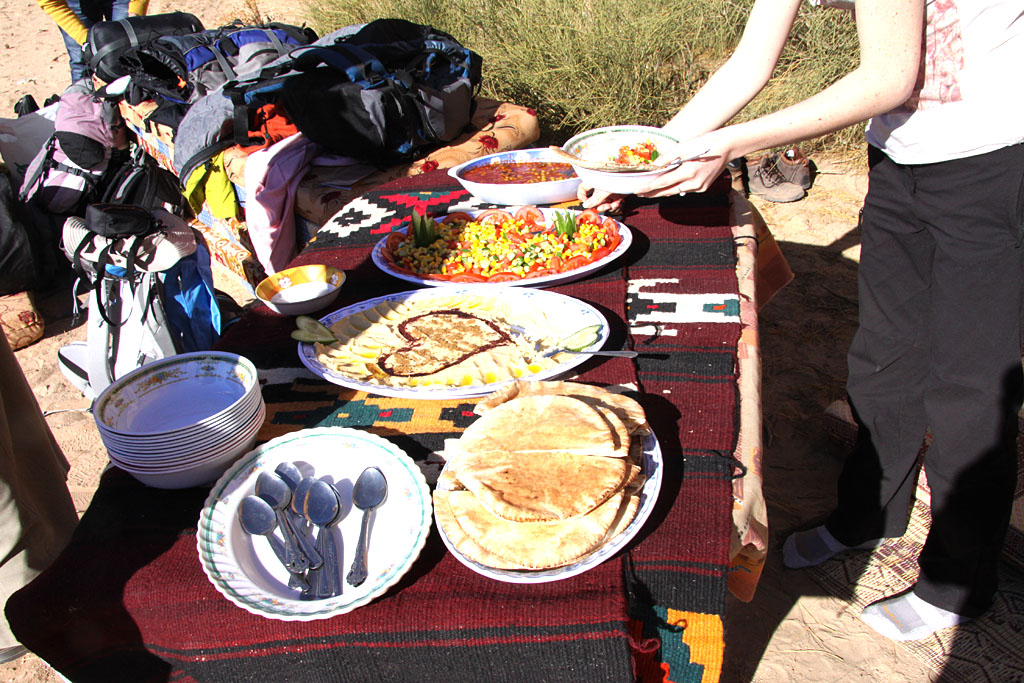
{"type": "Point", "coordinates": [276, 493]}
{"type": "Point", "coordinates": [323, 508]}
{"type": "Point", "coordinates": [259, 519]}
{"type": "Point", "coordinates": [294, 518]}
{"type": "Point", "coordinates": [370, 490]}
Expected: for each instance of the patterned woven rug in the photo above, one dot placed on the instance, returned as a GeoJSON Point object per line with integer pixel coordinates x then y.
{"type": "Point", "coordinates": [986, 649]}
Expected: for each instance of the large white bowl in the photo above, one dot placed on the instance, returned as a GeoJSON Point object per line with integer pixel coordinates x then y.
{"type": "Point", "coordinates": [176, 393]}
{"type": "Point", "coordinates": [509, 194]}
{"type": "Point", "coordinates": [602, 144]}
{"type": "Point", "coordinates": [204, 473]}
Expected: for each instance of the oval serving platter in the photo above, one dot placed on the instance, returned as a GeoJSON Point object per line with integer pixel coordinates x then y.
{"type": "Point", "coordinates": [571, 315]}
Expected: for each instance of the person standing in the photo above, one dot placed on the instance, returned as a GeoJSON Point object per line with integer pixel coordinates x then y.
{"type": "Point", "coordinates": [941, 277]}
{"type": "Point", "coordinates": [37, 514]}
{"type": "Point", "coordinates": [74, 17]}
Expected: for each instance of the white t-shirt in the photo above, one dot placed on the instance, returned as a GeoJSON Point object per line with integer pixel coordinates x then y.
{"type": "Point", "coordinates": [969, 98]}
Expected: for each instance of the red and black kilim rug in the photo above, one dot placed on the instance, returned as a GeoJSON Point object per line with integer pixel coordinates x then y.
{"type": "Point", "coordinates": [128, 599]}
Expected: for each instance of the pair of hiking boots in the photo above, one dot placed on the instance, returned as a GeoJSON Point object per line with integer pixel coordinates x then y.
{"type": "Point", "coordinates": [781, 177]}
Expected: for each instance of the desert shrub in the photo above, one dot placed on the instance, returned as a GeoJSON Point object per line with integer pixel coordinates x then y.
{"type": "Point", "coordinates": [592, 63]}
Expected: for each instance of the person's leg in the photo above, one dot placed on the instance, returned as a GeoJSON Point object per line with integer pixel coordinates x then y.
{"type": "Point", "coordinates": [89, 12]}
{"type": "Point", "coordinates": [974, 389]}
{"type": "Point", "coordinates": [887, 363]}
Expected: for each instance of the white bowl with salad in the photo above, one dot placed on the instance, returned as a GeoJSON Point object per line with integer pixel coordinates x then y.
{"type": "Point", "coordinates": [634, 147]}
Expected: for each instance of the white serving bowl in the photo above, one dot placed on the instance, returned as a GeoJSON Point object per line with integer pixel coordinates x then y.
{"type": "Point", "coordinates": [301, 290]}
{"type": "Point", "coordinates": [176, 393]}
{"type": "Point", "coordinates": [602, 145]}
{"type": "Point", "coordinates": [510, 194]}
{"type": "Point", "coordinates": [205, 472]}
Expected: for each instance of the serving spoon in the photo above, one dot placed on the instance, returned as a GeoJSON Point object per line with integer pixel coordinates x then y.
{"type": "Point", "coordinates": [370, 490]}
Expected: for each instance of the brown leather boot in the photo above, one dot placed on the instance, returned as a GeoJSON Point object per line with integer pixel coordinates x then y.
{"type": "Point", "coordinates": [767, 181]}
{"type": "Point", "coordinates": [795, 167]}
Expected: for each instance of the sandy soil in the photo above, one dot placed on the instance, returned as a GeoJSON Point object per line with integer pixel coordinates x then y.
{"type": "Point", "coordinates": [791, 631]}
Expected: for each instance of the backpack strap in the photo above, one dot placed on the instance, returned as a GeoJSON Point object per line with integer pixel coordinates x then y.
{"type": "Point", "coordinates": [30, 184]}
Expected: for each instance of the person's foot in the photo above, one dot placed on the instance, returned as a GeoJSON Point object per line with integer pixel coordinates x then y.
{"type": "Point", "coordinates": [908, 617]}
{"type": "Point", "coordinates": [767, 181]}
{"type": "Point", "coordinates": [814, 546]}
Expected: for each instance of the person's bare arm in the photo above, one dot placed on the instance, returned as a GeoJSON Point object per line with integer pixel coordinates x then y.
{"type": "Point", "coordinates": [889, 32]}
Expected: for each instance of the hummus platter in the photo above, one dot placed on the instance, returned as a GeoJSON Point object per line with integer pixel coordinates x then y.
{"type": "Point", "coordinates": [525, 246]}
{"type": "Point", "coordinates": [452, 342]}
{"type": "Point", "coordinates": [553, 502]}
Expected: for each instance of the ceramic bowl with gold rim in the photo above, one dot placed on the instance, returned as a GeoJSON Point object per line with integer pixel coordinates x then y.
{"type": "Point", "coordinates": [301, 290]}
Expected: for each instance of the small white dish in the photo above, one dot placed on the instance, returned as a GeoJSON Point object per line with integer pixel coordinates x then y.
{"type": "Point", "coordinates": [301, 290]}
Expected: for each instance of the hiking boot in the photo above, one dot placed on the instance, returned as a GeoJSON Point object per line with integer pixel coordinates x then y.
{"type": "Point", "coordinates": [767, 181]}
{"type": "Point", "coordinates": [795, 167]}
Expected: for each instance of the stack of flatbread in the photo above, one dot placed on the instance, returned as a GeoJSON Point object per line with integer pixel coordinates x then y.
{"type": "Point", "coordinates": [549, 473]}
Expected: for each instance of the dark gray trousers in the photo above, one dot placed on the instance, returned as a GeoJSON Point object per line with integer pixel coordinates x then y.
{"type": "Point", "coordinates": [941, 283]}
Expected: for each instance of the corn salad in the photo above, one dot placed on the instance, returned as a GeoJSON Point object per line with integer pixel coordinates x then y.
{"type": "Point", "coordinates": [499, 247]}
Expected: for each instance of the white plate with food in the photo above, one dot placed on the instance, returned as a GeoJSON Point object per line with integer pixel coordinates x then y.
{"type": "Point", "coordinates": [517, 247]}
{"type": "Point", "coordinates": [453, 342]}
{"type": "Point", "coordinates": [652, 470]}
{"type": "Point", "coordinates": [246, 570]}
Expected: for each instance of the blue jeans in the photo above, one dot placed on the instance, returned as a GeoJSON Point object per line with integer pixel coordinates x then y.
{"type": "Point", "coordinates": [90, 12]}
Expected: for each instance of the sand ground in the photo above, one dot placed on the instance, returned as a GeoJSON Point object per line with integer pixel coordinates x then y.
{"type": "Point", "coordinates": [791, 631]}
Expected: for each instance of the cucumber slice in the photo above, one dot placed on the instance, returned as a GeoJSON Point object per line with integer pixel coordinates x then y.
{"type": "Point", "coordinates": [580, 339]}
{"type": "Point", "coordinates": [312, 330]}
{"type": "Point", "coordinates": [309, 337]}
{"type": "Point", "coordinates": [310, 324]}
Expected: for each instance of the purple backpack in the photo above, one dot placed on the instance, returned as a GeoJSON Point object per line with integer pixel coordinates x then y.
{"type": "Point", "coordinates": [89, 134]}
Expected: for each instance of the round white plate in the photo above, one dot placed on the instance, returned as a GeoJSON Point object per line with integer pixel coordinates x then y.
{"type": "Point", "coordinates": [653, 468]}
{"type": "Point", "coordinates": [245, 569]}
{"type": "Point", "coordinates": [559, 278]}
{"type": "Point", "coordinates": [571, 314]}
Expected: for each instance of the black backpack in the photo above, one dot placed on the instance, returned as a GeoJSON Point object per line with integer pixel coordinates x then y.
{"type": "Point", "coordinates": [383, 93]}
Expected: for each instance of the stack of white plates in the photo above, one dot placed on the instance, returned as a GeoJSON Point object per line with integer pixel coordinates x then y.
{"type": "Point", "coordinates": [183, 420]}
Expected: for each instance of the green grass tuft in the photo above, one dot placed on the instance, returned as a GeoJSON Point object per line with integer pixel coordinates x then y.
{"type": "Point", "coordinates": [594, 63]}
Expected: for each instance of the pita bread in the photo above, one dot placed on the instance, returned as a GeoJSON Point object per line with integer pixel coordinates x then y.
{"type": "Point", "coordinates": [541, 487]}
{"type": "Point", "coordinates": [458, 537]}
{"type": "Point", "coordinates": [542, 424]}
{"type": "Point", "coordinates": [628, 409]}
{"type": "Point", "coordinates": [534, 545]}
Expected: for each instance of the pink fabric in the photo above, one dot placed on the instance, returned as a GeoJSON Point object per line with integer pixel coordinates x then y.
{"type": "Point", "coordinates": [271, 177]}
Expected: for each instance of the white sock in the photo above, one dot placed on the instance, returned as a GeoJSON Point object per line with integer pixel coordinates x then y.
{"type": "Point", "coordinates": [908, 617]}
{"type": "Point", "coordinates": [814, 546]}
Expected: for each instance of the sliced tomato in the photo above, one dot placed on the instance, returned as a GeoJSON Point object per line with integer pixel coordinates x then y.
{"type": "Point", "coordinates": [493, 217]}
{"type": "Point", "coordinates": [467, 277]}
{"type": "Point", "coordinates": [574, 263]}
{"type": "Point", "coordinates": [394, 239]}
{"type": "Point", "coordinates": [530, 215]}
{"type": "Point", "coordinates": [543, 272]}
{"type": "Point", "coordinates": [600, 253]}
{"type": "Point", "coordinates": [589, 216]}
{"type": "Point", "coordinates": [456, 216]}
{"type": "Point", "coordinates": [504, 276]}
{"type": "Point", "coordinates": [555, 263]}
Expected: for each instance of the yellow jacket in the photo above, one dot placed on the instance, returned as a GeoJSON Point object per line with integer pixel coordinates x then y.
{"type": "Point", "coordinates": [72, 25]}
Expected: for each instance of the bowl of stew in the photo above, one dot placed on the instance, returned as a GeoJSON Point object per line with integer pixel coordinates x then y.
{"type": "Point", "coordinates": [518, 177]}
